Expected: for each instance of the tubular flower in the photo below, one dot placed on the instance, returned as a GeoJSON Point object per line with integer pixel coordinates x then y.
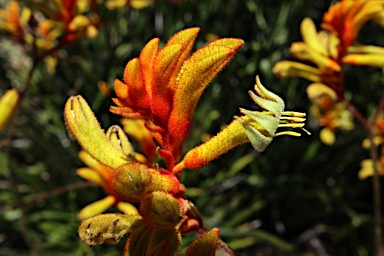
{"type": "Point", "coordinates": [255, 127]}
{"type": "Point", "coordinates": [320, 48]}
{"type": "Point", "coordinates": [368, 55]}
{"type": "Point", "coordinates": [164, 79]}
{"type": "Point", "coordinates": [160, 90]}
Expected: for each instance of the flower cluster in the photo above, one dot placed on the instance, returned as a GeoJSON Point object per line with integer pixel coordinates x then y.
{"type": "Point", "coordinates": [329, 50]}
{"type": "Point", "coordinates": [161, 89]}
{"type": "Point", "coordinates": [44, 28]}
{"type": "Point", "coordinates": [367, 165]}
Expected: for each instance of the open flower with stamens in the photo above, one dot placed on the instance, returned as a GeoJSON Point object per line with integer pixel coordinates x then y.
{"type": "Point", "coordinates": [161, 89]}
{"type": "Point", "coordinates": [255, 127]}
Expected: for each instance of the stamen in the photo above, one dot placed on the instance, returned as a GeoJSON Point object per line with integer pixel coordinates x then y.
{"type": "Point", "coordinates": [289, 133]}
{"type": "Point", "coordinates": [293, 113]}
{"type": "Point", "coordinates": [290, 125]}
{"type": "Point", "coordinates": [293, 119]}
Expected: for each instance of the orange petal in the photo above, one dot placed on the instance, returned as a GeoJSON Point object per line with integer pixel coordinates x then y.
{"type": "Point", "coordinates": [164, 66]}
{"type": "Point", "coordinates": [137, 94]}
{"type": "Point", "coordinates": [147, 55]}
{"type": "Point", "coordinates": [186, 38]}
{"type": "Point", "coordinates": [194, 77]}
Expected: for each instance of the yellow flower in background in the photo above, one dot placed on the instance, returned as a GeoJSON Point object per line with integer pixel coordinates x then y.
{"type": "Point", "coordinates": [100, 174]}
{"type": "Point", "coordinates": [365, 55]}
{"type": "Point", "coordinates": [329, 50]}
{"type": "Point", "coordinates": [367, 168]}
{"type": "Point", "coordinates": [319, 48]}
{"type": "Point", "coordinates": [8, 105]}
{"type": "Point", "coordinates": [331, 114]}
{"type": "Point", "coordinates": [136, 129]}
{"type": "Point", "coordinates": [367, 164]}
{"type": "Point", "coordinates": [135, 4]}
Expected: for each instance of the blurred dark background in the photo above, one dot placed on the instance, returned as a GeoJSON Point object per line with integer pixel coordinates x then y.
{"type": "Point", "coordinates": [299, 197]}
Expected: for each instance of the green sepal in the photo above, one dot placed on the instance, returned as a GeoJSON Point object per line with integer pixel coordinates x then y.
{"type": "Point", "coordinates": [130, 182]}
{"type": "Point", "coordinates": [108, 228]}
{"type": "Point", "coordinates": [258, 140]}
{"type": "Point", "coordinates": [164, 242]}
{"type": "Point", "coordinates": [267, 104]}
{"type": "Point", "coordinates": [266, 124]}
{"type": "Point", "coordinates": [161, 210]}
{"type": "Point", "coordinates": [137, 243]}
{"type": "Point", "coordinates": [205, 244]}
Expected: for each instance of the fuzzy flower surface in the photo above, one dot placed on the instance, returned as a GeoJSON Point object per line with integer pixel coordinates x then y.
{"type": "Point", "coordinates": [158, 96]}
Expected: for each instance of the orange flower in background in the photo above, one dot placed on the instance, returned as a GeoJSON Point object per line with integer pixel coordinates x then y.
{"type": "Point", "coordinates": [14, 19]}
{"type": "Point", "coordinates": [347, 17]}
{"type": "Point", "coordinates": [54, 25]}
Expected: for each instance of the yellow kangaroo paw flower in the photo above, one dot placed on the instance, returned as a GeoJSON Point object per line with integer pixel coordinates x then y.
{"type": "Point", "coordinates": [83, 125]}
